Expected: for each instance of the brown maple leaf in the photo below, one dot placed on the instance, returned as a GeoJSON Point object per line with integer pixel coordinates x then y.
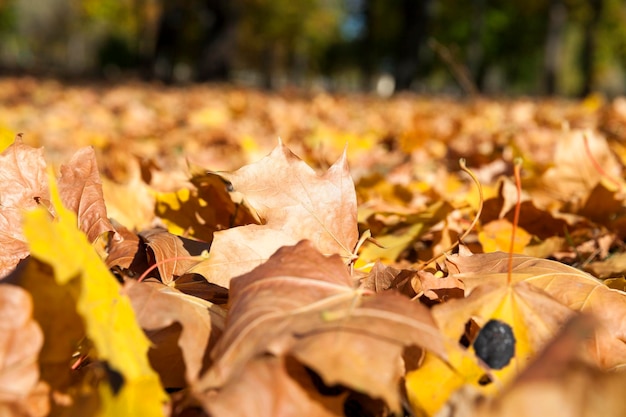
{"type": "Point", "coordinates": [575, 171]}
{"type": "Point", "coordinates": [22, 394]}
{"type": "Point", "coordinates": [293, 203]}
{"type": "Point", "coordinates": [303, 304]}
{"type": "Point", "coordinates": [80, 189]}
{"type": "Point", "coordinates": [127, 254]}
{"type": "Point", "coordinates": [174, 254]}
{"type": "Point", "coordinates": [23, 186]}
{"type": "Point", "coordinates": [181, 327]}
{"type": "Point", "coordinates": [292, 393]}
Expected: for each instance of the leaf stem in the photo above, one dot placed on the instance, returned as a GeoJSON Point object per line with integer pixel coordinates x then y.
{"type": "Point", "coordinates": [518, 204]}
{"type": "Point", "coordinates": [166, 260]}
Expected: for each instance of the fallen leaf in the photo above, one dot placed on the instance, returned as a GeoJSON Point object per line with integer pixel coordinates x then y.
{"type": "Point", "coordinates": [127, 254]}
{"type": "Point", "coordinates": [291, 393]}
{"type": "Point", "coordinates": [533, 316]}
{"type": "Point", "coordinates": [571, 287]}
{"type": "Point", "coordinates": [200, 212]}
{"type": "Point", "coordinates": [23, 186]}
{"type": "Point", "coordinates": [559, 383]}
{"type": "Point", "coordinates": [438, 288]}
{"type": "Point", "coordinates": [130, 203]}
{"type": "Point", "coordinates": [303, 304]}
{"type": "Point", "coordinates": [393, 240]}
{"type": "Point", "coordinates": [200, 323]}
{"type": "Point", "coordinates": [383, 278]}
{"type": "Point", "coordinates": [81, 191]}
{"type": "Point", "coordinates": [173, 254]}
{"type": "Point", "coordinates": [294, 203]}
{"type": "Point", "coordinates": [611, 267]}
{"type": "Point", "coordinates": [574, 174]}
{"type": "Point", "coordinates": [21, 340]}
{"type": "Point", "coordinates": [56, 316]}
{"type": "Point", "coordinates": [109, 319]}
{"type": "Point", "coordinates": [496, 236]}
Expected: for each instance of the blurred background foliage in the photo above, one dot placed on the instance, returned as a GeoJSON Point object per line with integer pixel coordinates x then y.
{"type": "Point", "coordinates": [547, 47]}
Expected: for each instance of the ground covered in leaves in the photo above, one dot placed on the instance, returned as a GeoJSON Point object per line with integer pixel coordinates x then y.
{"type": "Point", "coordinates": [227, 252]}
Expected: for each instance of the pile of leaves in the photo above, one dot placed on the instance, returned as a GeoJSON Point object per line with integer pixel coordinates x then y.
{"type": "Point", "coordinates": [137, 279]}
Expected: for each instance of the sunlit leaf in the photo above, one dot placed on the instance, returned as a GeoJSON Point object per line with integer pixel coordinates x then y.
{"type": "Point", "coordinates": [109, 319]}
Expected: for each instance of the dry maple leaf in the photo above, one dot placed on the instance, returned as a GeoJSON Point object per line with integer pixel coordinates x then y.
{"type": "Point", "coordinates": [303, 304]}
{"type": "Point", "coordinates": [126, 254]}
{"type": "Point", "coordinates": [292, 393]}
{"type": "Point", "coordinates": [23, 174]}
{"type": "Point", "coordinates": [201, 211]}
{"type": "Point", "coordinates": [571, 287]}
{"type": "Point", "coordinates": [574, 173]}
{"type": "Point", "coordinates": [21, 339]}
{"type": "Point", "coordinates": [383, 278]}
{"type": "Point", "coordinates": [294, 203]}
{"type": "Point", "coordinates": [23, 185]}
{"type": "Point", "coordinates": [181, 327]}
{"type": "Point", "coordinates": [81, 191]}
{"type": "Point", "coordinates": [174, 254]}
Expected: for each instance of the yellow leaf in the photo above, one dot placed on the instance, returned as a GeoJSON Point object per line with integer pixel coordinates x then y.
{"type": "Point", "coordinates": [533, 316]}
{"type": "Point", "coordinates": [7, 137]}
{"type": "Point", "coordinates": [108, 315]}
{"type": "Point", "coordinates": [496, 236]}
{"type": "Point", "coordinates": [429, 386]}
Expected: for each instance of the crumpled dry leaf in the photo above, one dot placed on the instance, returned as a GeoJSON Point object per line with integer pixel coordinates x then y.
{"type": "Point", "coordinates": [127, 254]}
{"type": "Point", "coordinates": [201, 211]}
{"type": "Point", "coordinates": [383, 278]}
{"type": "Point", "coordinates": [294, 203]}
{"type": "Point", "coordinates": [536, 221]}
{"type": "Point", "coordinates": [22, 394]}
{"type": "Point", "coordinates": [178, 353]}
{"type": "Point", "coordinates": [23, 186]}
{"type": "Point", "coordinates": [558, 382]}
{"type": "Point", "coordinates": [174, 254]}
{"type": "Point", "coordinates": [301, 303]}
{"type": "Point", "coordinates": [23, 173]}
{"type": "Point", "coordinates": [573, 174]}
{"type": "Point", "coordinates": [81, 191]}
{"type": "Point", "coordinates": [570, 286]}
{"type": "Point", "coordinates": [440, 289]}
{"type": "Point", "coordinates": [293, 395]}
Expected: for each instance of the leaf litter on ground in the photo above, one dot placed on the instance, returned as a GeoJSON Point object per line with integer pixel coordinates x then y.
{"type": "Point", "coordinates": [290, 310]}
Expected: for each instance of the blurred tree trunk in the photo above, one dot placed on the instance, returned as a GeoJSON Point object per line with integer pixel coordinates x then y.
{"type": "Point", "coordinates": [199, 33]}
{"type": "Point", "coordinates": [590, 42]}
{"type": "Point", "coordinates": [168, 40]}
{"type": "Point", "coordinates": [475, 50]}
{"type": "Point", "coordinates": [366, 57]}
{"type": "Point", "coordinates": [268, 65]}
{"type": "Point", "coordinates": [415, 18]}
{"type": "Point", "coordinates": [557, 18]}
{"type": "Point", "coordinates": [217, 41]}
